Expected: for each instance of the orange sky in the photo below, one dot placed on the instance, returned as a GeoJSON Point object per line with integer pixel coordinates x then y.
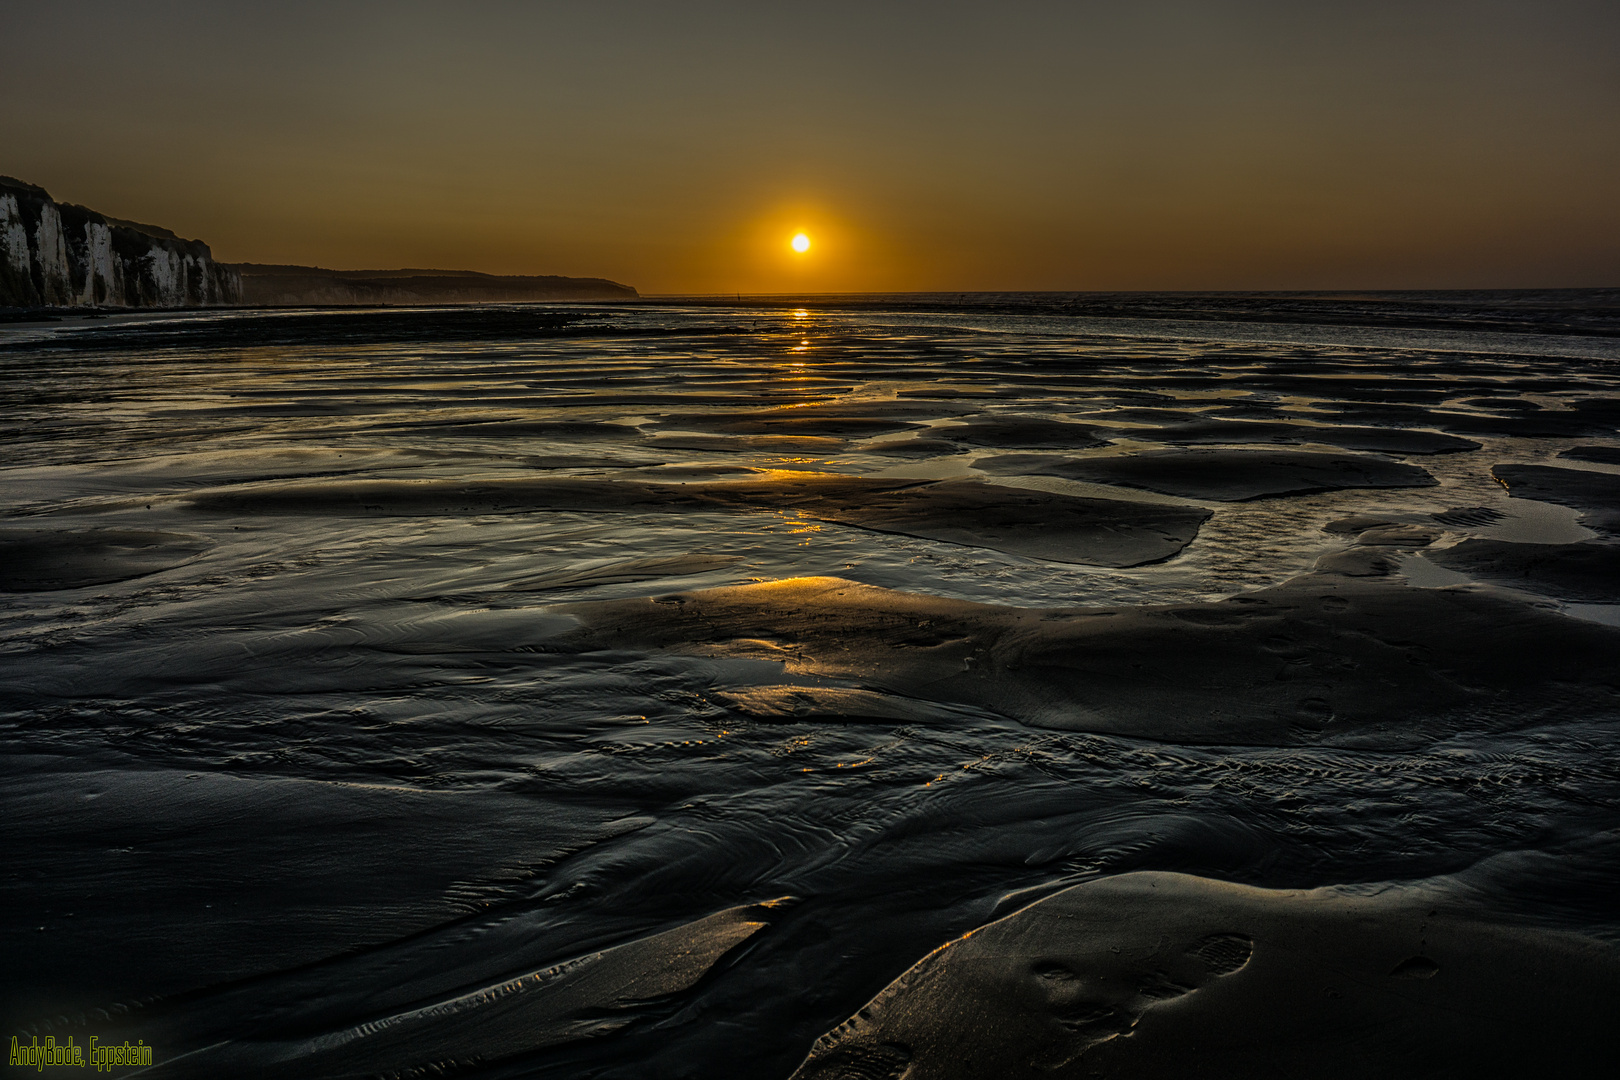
{"type": "Point", "coordinates": [923, 146]}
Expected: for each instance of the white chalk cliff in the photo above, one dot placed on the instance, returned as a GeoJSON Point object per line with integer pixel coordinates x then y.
{"type": "Point", "coordinates": [62, 255]}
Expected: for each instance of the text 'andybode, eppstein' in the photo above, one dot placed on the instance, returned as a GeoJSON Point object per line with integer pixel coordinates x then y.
{"type": "Point", "coordinates": [70, 1054]}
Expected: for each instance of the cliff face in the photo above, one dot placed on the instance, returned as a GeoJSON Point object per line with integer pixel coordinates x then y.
{"type": "Point", "coordinates": [311, 286]}
{"type": "Point", "coordinates": [61, 255]}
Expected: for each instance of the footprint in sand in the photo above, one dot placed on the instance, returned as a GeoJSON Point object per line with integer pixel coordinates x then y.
{"type": "Point", "coordinates": [1111, 1003]}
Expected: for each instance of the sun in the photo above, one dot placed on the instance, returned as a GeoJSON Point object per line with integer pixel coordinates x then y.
{"type": "Point", "coordinates": [800, 243]}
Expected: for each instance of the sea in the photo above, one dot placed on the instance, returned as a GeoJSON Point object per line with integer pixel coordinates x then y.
{"type": "Point", "coordinates": [526, 690]}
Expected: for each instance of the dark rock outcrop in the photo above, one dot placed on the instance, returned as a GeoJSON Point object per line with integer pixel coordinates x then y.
{"type": "Point", "coordinates": [61, 255]}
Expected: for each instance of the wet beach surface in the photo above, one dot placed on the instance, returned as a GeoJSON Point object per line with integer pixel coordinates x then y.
{"type": "Point", "coordinates": [666, 690]}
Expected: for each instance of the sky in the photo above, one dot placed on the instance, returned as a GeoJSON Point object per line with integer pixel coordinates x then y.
{"type": "Point", "coordinates": [678, 147]}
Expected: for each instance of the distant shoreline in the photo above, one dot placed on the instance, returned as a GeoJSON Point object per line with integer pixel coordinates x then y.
{"type": "Point", "coordinates": [1593, 312]}
{"type": "Point", "coordinates": [1589, 312]}
{"type": "Point", "coordinates": [278, 285]}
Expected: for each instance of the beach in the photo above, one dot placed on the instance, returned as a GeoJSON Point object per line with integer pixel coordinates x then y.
{"type": "Point", "coordinates": [970, 686]}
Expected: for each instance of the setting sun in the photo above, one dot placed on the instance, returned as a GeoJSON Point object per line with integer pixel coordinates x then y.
{"type": "Point", "coordinates": [801, 243]}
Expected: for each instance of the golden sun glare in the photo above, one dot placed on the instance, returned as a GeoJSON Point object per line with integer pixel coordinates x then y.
{"type": "Point", "coordinates": [800, 243]}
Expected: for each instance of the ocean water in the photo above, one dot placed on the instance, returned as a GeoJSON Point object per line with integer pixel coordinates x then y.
{"type": "Point", "coordinates": [323, 756]}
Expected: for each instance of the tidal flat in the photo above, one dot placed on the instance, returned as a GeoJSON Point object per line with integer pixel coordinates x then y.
{"type": "Point", "coordinates": [854, 689]}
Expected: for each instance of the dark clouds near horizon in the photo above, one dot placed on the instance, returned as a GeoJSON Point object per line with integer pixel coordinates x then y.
{"type": "Point", "coordinates": [1154, 145]}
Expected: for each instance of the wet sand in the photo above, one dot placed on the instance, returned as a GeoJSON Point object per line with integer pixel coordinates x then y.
{"type": "Point", "coordinates": [1384, 440]}
{"type": "Point", "coordinates": [1099, 532]}
{"type": "Point", "coordinates": [46, 559]}
{"type": "Point", "coordinates": [1224, 475]}
{"type": "Point", "coordinates": [1157, 974]}
{"type": "Point", "coordinates": [812, 690]}
{"type": "Point", "coordinates": [1324, 658]}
